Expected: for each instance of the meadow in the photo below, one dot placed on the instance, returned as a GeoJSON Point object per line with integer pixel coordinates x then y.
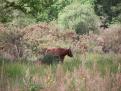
{"type": "Point", "coordinates": [90, 68]}
{"type": "Point", "coordinates": [98, 72]}
{"type": "Point", "coordinates": [88, 29]}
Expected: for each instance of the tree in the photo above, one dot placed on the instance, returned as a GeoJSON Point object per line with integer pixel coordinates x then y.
{"type": "Point", "coordinates": [81, 18]}
{"type": "Point", "coordinates": [108, 10]}
{"type": "Point", "coordinates": [41, 10]}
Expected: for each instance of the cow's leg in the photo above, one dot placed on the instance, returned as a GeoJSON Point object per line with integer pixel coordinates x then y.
{"type": "Point", "coordinates": [62, 59]}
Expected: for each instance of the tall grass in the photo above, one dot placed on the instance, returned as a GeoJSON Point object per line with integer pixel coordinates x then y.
{"type": "Point", "coordinates": [86, 71]}
{"type": "Point", "coordinates": [99, 73]}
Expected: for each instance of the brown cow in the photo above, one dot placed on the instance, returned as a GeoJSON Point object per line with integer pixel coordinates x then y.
{"type": "Point", "coordinates": [59, 53]}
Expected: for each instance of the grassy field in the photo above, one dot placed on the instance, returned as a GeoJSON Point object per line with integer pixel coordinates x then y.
{"type": "Point", "coordinates": [95, 72]}
{"type": "Point", "coordinates": [91, 69]}
{"type": "Point", "coordinates": [35, 36]}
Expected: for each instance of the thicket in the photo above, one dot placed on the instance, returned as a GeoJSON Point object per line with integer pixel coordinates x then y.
{"type": "Point", "coordinates": [25, 12]}
{"type": "Point", "coordinates": [109, 10]}
{"type": "Point", "coordinates": [80, 17]}
{"type": "Point", "coordinates": [113, 39]}
{"type": "Point", "coordinates": [41, 10]}
{"type": "Point", "coordinates": [11, 44]}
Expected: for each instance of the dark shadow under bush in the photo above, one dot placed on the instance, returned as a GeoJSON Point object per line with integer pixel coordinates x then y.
{"type": "Point", "coordinates": [50, 59]}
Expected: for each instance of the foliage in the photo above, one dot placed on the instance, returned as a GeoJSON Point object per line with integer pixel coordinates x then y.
{"type": "Point", "coordinates": [48, 10]}
{"type": "Point", "coordinates": [109, 9]}
{"type": "Point", "coordinates": [28, 7]}
{"type": "Point", "coordinates": [41, 10]}
{"type": "Point", "coordinates": [80, 17]}
{"type": "Point", "coordinates": [105, 71]}
{"type": "Point", "coordinates": [113, 39]}
{"type": "Point", "coordinates": [12, 42]}
{"type": "Point", "coordinates": [5, 13]}
{"type": "Point", "coordinates": [86, 71]}
{"type": "Point", "coordinates": [21, 22]}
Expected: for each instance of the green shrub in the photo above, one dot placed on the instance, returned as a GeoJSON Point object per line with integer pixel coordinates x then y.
{"type": "Point", "coordinates": [21, 21]}
{"type": "Point", "coordinates": [5, 14]}
{"type": "Point", "coordinates": [79, 17]}
{"type": "Point", "coordinates": [109, 9]}
{"type": "Point", "coordinates": [50, 59]}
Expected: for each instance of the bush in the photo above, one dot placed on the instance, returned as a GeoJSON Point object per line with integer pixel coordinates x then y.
{"type": "Point", "coordinates": [109, 9]}
{"type": "Point", "coordinates": [112, 39]}
{"type": "Point", "coordinates": [5, 14]}
{"type": "Point", "coordinates": [11, 43]}
{"type": "Point", "coordinates": [80, 17]}
{"type": "Point", "coordinates": [116, 20]}
{"type": "Point", "coordinates": [22, 22]}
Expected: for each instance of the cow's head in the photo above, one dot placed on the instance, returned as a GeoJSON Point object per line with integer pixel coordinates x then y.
{"type": "Point", "coordinates": [70, 53]}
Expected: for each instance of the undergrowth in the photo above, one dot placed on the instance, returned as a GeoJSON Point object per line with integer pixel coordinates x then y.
{"type": "Point", "coordinates": [71, 74]}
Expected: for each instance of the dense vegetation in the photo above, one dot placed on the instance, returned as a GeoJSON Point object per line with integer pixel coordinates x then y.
{"type": "Point", "coordinates": [110, 10]}
{"type": "Point", "coordinates": [90, 28]}
{"type": "Point", "coordinates": [29, 11]}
